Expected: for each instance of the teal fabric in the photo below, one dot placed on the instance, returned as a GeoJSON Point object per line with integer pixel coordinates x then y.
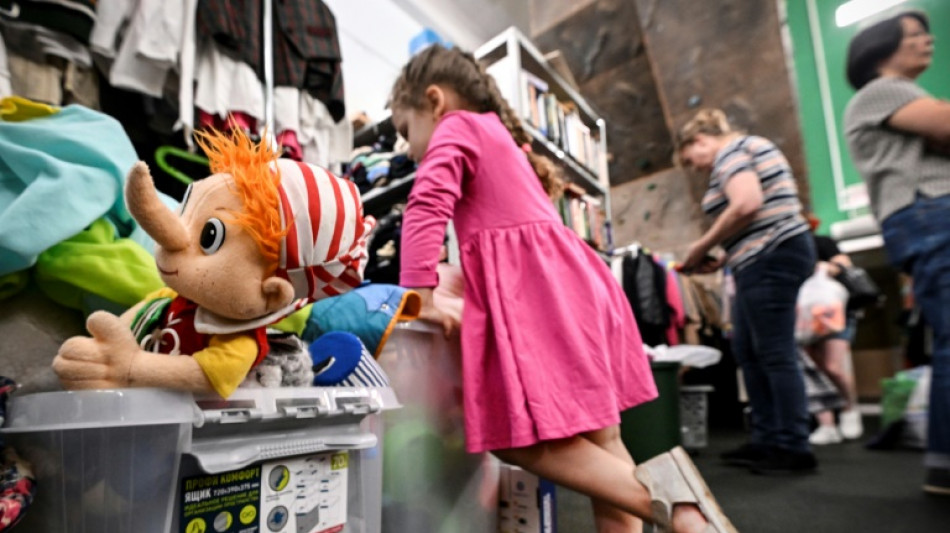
{"type": "Point", "coordinates": [58, 174]}
{"type": "Point", "coordinates": [365, 311]}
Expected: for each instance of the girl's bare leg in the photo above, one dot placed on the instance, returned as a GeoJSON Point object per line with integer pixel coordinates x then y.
{"type": "Point", "coordinates": [580, 465]}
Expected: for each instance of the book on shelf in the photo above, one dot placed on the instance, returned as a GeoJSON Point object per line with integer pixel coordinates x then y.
{"type": "Point", "coordinates": [583, 214]}
{"type": "Point", "coordinates": [558, 122]}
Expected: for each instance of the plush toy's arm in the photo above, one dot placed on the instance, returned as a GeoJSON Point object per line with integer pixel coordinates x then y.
{"type": "Point", "coordinates": [174, 372]}
{"type": "Point", "coordinates": [112, 359]}
{"type": "Point", "coordinates": [129, 315]}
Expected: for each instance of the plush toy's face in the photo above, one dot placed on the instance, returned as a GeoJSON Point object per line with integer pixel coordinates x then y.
{"type": "Point", "coordinates": [210, 260]}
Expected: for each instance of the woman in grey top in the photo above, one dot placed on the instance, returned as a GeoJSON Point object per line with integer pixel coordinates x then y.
{"type": "Point", "coordinates": [898, 136]}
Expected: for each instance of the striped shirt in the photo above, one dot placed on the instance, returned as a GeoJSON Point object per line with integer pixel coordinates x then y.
{"type": "Point", "coordinates": [895, 164]}
{"type": "Point", "coordinates": [779, 217]}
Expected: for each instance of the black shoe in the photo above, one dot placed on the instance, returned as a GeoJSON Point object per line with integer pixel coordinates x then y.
{"type": "Point", "coordinates": [784, 462]}
{"type": "Point", "coordinates": [938, 481]}
{"type": "Point", "coordinates": [745, 455]}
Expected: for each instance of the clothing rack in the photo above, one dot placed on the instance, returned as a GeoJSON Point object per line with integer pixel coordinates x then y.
{"type": "Point", "coordinates": [268, 36]}
{"type": "Point", "coordinates": [630, 249]}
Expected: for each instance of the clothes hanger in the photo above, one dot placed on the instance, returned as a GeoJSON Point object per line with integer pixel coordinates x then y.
{"type": "Point", "coordinates": [18, 109]}
{"type": "Point", "coordinates": [164, 151]}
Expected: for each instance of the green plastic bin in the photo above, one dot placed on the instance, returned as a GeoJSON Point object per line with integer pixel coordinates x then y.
{"type": "Point", "coordinates": [652, 428]}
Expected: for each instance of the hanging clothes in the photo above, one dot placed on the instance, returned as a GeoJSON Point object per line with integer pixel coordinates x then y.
{"type": "Point", "coordinates": [693, 318]}
{"type": "Point", "coordinates": [73, 17]}
{"type": "Point", "coordinates": [58, 174]}
{"type": "Point", "coordinates": [150, 49]}
{"type": "Point", "coordinates": [37, 42]}
{"type": "Point", "coordinates": [677, 313]}
{"type": "Point", "coordinates": [55, 81]}
{"type": "Point", "coordinates": [644, 282]}
{"type": "Point", "coordinates": [226, 85]}
{"type": "Point", "coordinates": [306, 48]}
{"type": "Point", "coordinates": [324, 142]}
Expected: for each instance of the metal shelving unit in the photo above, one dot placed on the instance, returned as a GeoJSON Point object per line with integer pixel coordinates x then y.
{"type": "Point", "coordinates": [510, 53]}
{"type": "Point", "coordinates": [376, 200]}
{"type": "Point", "coordinates": [507, 55]}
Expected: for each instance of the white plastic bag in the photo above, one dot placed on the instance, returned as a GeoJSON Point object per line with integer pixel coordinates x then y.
{"type": "Point", "coordinates": [821, 308]}
{"type": "Point", "coordinates": [691, 355]}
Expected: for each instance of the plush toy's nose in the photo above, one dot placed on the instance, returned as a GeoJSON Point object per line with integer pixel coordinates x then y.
{"type": "Point", "coordinates": [160, 222]}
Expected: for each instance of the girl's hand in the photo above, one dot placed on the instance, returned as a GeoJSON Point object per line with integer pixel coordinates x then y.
{"type": "Point", "coordinates": [430, 313]}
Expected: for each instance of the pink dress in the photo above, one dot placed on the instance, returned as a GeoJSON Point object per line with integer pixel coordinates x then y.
{"type": "Point", "coordinates": [550, 348]}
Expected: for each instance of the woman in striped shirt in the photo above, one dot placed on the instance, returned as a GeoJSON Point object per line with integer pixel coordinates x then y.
{"type": "Point", "coordinates": [754, 199]}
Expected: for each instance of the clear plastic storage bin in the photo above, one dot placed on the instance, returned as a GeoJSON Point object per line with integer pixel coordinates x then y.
{"type": "Point", "coordinates": [300, 460]}
{"type": "Point", "coordinates": [694, 415]}
{"type": "Point", "coordinates": [430, 482]}
{"type": "Point", "coordinates": [105, 461]}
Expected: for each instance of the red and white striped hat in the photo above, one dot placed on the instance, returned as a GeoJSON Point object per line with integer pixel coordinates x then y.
{"type": "Point", "coordinates": [324, 252]}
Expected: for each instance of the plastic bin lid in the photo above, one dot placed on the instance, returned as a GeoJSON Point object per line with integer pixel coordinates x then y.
{"type": "Point", "coordinates": [57, 411]}
{"type": "Point", "coordinates": [254, 404]}
{"type": "Point", "coordinates": [418, 325]}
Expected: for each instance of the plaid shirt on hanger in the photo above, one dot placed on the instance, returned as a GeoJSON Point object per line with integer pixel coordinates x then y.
{"type": "Point", "coordinates": [306, 49]}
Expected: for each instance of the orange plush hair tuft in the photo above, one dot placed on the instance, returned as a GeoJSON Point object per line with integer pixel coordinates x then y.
{"type": "Point", "coordinates": [256, 183]}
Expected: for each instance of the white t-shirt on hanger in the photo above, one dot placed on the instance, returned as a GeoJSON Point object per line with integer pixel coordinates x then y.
{"type": "Point", "coordinates": [225, 84]}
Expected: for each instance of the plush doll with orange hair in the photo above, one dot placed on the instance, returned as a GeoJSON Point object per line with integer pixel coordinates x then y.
{"type": "Point", "coordinates": [251, 244]}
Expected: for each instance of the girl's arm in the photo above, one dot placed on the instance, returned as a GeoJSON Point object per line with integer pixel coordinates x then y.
{"type": "Point", "coordinates": [452, 154]}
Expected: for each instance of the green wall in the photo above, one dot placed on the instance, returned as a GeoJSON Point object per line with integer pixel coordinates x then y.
{"type": "Point", "coordinates": [822, 101]}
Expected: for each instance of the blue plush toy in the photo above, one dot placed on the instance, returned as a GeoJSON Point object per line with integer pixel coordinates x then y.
{"type": "Point", "coordinates": [344, 333]}
{"type": "Point", "coordinates": [340, 359]}
{"type": "Point", "coordinates": [370, 312]}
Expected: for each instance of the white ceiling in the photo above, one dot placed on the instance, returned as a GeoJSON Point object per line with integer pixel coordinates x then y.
{"type": "Point", "coordinates": [374, 38]}
{"type": "Point", "coordinates": [469, 23]}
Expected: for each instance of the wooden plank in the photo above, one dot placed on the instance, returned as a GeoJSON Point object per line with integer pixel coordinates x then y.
{"type": "Point", "coordinates": [728, 55]}
{"type": "Point", "coordinates": [547, 13]}
{"type": "Point", "coordinates": [602, 46]}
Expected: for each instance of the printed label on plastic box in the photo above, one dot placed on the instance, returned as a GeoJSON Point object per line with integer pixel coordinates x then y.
{"type": "Point", "coordinates": [294, 495]}
{"type": "Point", "coordinates": [226, 502]}
{"type": "Point", "coordinates": [305, 494]}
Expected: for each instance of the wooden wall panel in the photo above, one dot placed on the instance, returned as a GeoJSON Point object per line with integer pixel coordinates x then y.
{"type": "Point", "coordinates": [659, 211]}
{"type": "Point", "coordinates": [728, 54]}
{"type": "Point", "coordinates": [603, 47]}
{"type": "Point", "coordinates": [547, 13]}
{"type": "Point", "coordinates": [647, 66]}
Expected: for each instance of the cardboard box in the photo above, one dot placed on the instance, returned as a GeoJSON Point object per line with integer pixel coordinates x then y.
{"type": "Point", "coordinates": [871, 366]}
{"type": "Point", "coordinates": [526, 503]}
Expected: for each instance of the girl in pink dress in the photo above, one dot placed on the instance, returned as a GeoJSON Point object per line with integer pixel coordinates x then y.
{"type": "Point", "coordinates": [551, 353]}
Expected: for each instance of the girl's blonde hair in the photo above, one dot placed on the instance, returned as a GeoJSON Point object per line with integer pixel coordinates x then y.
{"type": "Point", "coordinates": [464, 74]}
{"type": "Point", "coordinates": [256, 185]}
{"type": "Point", "coordinates": [708, 121]}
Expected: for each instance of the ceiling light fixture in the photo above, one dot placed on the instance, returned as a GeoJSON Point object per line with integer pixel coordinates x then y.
{"type": "Point", "coordinates": [850, 12]}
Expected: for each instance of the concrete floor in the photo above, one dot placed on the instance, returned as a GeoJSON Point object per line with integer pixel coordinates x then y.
{"type": "Point", "coordinates": [854, 490]}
